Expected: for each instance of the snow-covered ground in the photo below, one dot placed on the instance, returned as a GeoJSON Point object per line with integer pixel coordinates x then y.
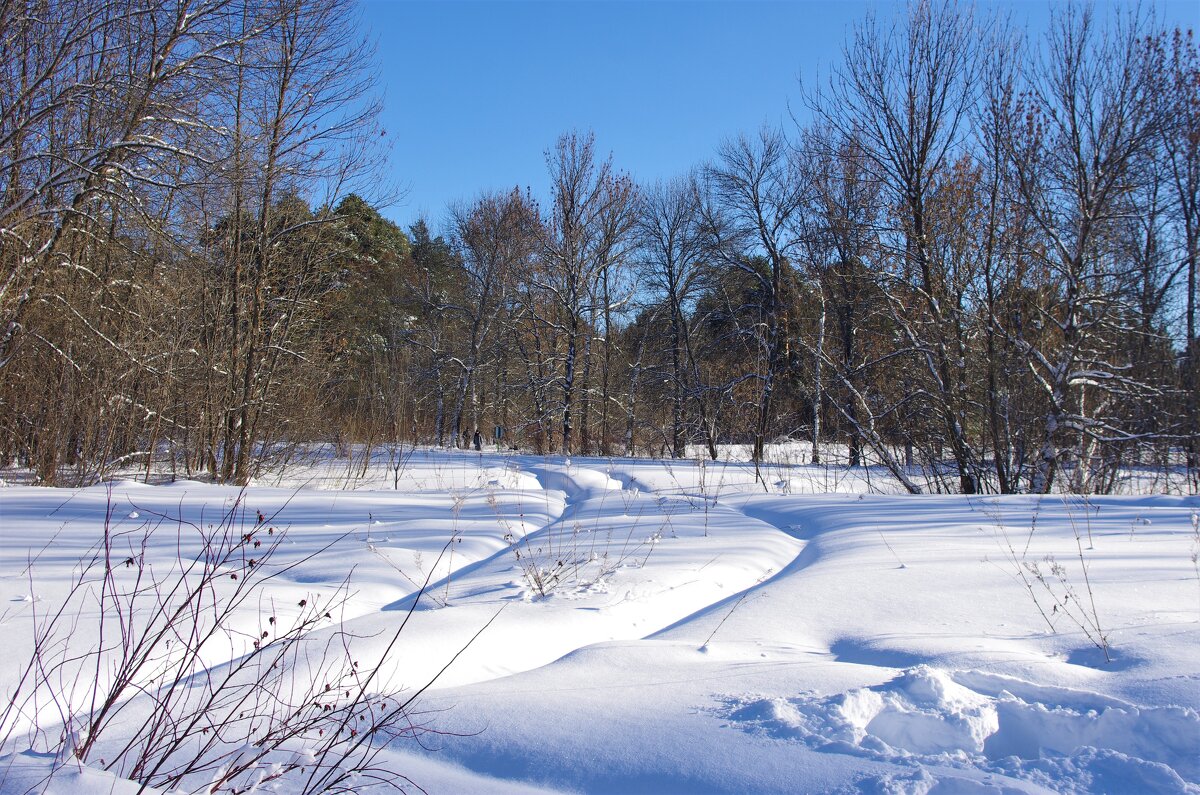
{"type": "Point", "coordinates": [656, 626]}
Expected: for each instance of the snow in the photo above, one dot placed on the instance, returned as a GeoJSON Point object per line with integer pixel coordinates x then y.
{"type": "Point", "coordinates": [659, 626]}
{"type": "Point", "coordinates": [30, 772]}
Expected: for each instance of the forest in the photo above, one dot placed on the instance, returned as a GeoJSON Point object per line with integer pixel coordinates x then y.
{"type": "Point", "coordinates": [969, 258]}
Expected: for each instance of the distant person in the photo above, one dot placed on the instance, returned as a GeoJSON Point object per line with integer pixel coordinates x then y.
{"type": "Point", "coordinates": [477, 441]}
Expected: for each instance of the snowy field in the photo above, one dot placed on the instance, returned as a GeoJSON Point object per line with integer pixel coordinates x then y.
{"type": "Point", "coordinates": [625, 626]}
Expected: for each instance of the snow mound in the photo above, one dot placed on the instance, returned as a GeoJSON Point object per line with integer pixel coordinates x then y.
{"type": "Point", "coordinates": [1072, 741]}
{"type": "Point", "coordinates": [30, 773]}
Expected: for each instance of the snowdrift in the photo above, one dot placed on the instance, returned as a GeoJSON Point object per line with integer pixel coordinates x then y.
{"type": "Point", "coordinates": [632, 626]}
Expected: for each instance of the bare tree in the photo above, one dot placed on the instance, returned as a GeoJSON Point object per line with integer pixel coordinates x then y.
{"type": "Point", "coordinates": [842, 209]}
{"type": "Point", "coordinates": [753, 198]}
{"type": "Point", "coordinates": [903, 95]}
{"type": "Point", "coordinates": [1077, 134]}
{"type": "Point", "coordinates": [305, 124]}
{"type": "Point", "coordinates": [586, 235]}
{"type": "Point", "coordinates": [1177, 64]}
{"type": "Point", "coordinates": [496, 238]}
{"type": "Point", "coordinates": [674, 264]}
{"type": "Point", "coordinates": [98, 105]}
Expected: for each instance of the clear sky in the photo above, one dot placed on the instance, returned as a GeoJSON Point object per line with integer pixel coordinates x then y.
{"type": "Point", "coordinates": [476, 92]}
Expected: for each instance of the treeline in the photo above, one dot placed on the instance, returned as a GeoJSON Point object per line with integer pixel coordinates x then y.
{"type": "Point", "coordinates": [977, 261]}
{"type": "Point", "coordinates": [168, 287]}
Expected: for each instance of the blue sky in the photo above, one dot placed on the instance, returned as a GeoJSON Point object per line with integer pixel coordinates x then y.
{"type": "Point", "coordinates": [476, 92]}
